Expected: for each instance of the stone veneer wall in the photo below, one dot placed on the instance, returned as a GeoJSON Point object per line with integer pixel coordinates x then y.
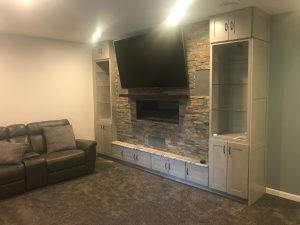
{"type": "Point", "coordinates": [190, 136]}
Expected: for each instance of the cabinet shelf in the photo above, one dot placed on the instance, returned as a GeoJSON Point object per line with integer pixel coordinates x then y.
{"type": "Point", "coordinates": [232, 62]}
{"type": "Point", "coordinates": [232, 84]}
{"type": "Point", "coordinates": [230, 109]}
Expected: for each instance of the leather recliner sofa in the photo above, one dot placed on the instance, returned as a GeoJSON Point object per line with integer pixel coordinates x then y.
{"type": "Point", "coordinates": [39, 168]}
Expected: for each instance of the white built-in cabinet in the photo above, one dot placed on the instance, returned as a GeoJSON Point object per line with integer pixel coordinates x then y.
{"type": "Point", "coordinates": [238, 107]}
{"type": "Point", "coordinates": [230, 171]}
{"type": "Point", "coordinates": [176, 167]}
{"type": "Point", "coordinates": [169, 166]}
{"type": "Point", "coordinates": [102, 96]}
{"type": "Point", "coordinates": [245, 23]}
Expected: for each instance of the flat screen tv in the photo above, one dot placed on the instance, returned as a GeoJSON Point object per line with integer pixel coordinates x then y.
{"type": "Point", "coordinates": [152, 60]}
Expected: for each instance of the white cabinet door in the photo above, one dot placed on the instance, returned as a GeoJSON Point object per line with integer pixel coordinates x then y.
{"type": "Point", "coordinates": [219, 28]}
{"type": "Point", "coordinates": [217, 164]}
{"type": "Point", "coordinates": [103, 138]}
{"type": "Point", "coordinates": [160, 164]}
{"type": "Point", "coordinates": [176, 168]}
{"type": "Point", "coordinates": [129, 155]}
{"type": "Point", "coordinates": [143, 159]}
{"type": "Point", "coordinates": [197, 174]}
{"type": "Point", "coordinates": [101, 51]}
{"type": "Point", "coordinates": [237, 170]}
{"type": "Point", "coordinates": [106, 135]}
{"type": "Point", "coordinates": [117, 152]}
{"type": "Point", "coordinates": [99, 138]}
{"type": "Point", "coordinates": [240, 24]}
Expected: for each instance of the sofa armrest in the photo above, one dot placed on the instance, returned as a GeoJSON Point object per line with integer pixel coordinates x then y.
{"type": "Point", "coordinates": [89, 147]}
{"type": "Point", "coordinates": [30, 155]}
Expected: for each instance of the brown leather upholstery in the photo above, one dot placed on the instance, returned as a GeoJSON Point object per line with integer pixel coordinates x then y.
{"type": "Point", "coordinates": [35, 131]}
{"type": "Point", "coordinates": [11, 173]}
{"type": "Point", "coordinates": [3, 133]}
{"type": "Point", "coordinates": [64, 159]}
{"type": "Point", "coordinates": [39, 168]}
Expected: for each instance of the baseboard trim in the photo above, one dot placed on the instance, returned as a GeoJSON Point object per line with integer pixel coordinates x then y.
{"type": "Point", "coordinates": [283, 194]}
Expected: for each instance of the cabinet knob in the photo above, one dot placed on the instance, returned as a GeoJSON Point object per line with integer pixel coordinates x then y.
{"type": "Point", "coordinates": [231, 25]}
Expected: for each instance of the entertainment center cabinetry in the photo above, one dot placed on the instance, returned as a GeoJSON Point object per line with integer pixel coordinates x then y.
{"type": "Point", "coordinates": [239, 70]}
{"type": "Point", "coordinates": [239, 87]}
{"type": "Point", "coordinates": [167, 164]}
{"type": "Point", "coordinates": [102, 99]}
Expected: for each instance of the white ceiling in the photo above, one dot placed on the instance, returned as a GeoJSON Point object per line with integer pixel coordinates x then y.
{"type": "Point", "coordinates": [76, 20]}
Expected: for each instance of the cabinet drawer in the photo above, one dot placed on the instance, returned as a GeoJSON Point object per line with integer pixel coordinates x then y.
{"type": "Point", "coordinates": [117, 152]}
{"type": "Point", "coordinates": [129, 155]}
{"type": "Point", "coordinates": [197, 174]}
{"type": "Point", "coordinates": [159, 163]}
{"type": "Point", "coordinates": [143, 159]}
{"type": "Point", "coordinates": [177, 168]}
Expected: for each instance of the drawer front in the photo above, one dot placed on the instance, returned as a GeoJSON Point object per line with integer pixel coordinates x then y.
{"type": "Point", "coordinates": [177, 168]}
{"type": "Point", "coordinates": [129, 155]}
{"type": "Point", "coordinates": [144, 159]}
{"type": "Point", "coordinates": [197, 174]}
{"type": "Point", "coordinates": [159, 163]}
{"type": "Point", "coordinates": [117, 152]}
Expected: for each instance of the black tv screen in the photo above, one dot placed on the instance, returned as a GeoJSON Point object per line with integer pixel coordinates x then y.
{"type": "Point", "coordinates": [155, 59]}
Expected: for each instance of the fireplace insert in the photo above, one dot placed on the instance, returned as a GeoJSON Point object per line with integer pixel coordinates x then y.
{"type": "Point", "coordinates": [158, 110]}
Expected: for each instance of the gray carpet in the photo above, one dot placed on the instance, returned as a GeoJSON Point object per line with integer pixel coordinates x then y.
{"type": "Point", "coordinates": [119, 194]}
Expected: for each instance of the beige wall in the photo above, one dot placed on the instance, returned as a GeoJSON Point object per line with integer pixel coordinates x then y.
{"type": "Point", "coordinates": [45, 79]}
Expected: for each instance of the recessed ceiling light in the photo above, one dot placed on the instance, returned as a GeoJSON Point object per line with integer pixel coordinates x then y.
{"type": "Point", "coordinates": [96, 36]}
{"type": "Point", "coordinates": [177, 12]}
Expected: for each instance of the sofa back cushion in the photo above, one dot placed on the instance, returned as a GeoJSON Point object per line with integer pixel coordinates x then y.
{"type": "Point", "coordinates": [3, 133]}
{"type": "Point", "coordinates": [18, 134]}
{"type": "Point", "coordinates": [36, 134]}
{"type": "Point", "coordinates": [12, 153]}
{"type": "Point", "coordinates": [59, 138]}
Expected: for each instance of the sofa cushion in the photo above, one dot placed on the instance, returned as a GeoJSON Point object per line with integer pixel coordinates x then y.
{"type": "Point", "coordinates": [3, 133]}
{"type": "Point", "coordinates": [59, 138]}
{"type": "Point", "coordinates": [36, 134]}
{"type": "Point", "coordinates": [18, 134]}
{"type": "Point", "coordinates": [12, 153]}
{"type": "Point", "coordinates": [11, 173]}
{"type": "Point", "coordinates": [64, 159]}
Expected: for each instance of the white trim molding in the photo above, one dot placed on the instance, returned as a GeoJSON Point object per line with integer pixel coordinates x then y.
{"type": "Point", "coordinates": [283, 194]}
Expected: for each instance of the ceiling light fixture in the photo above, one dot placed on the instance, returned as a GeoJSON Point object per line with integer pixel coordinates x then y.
{"type": "Point", "coordinates": [96, 36]}
{"type": "Point", "coordinates": [177, 12]}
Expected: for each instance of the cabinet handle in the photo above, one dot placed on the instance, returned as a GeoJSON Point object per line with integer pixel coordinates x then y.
{"type": "Point", "coordinates": [133, 156]}
{"type": "Point", "coordinates": [224, 149]}
{"type": "Point", "coordinates": [122, 153]}
{"type": "Point", "coordinates": [187, 171]}
{"type": "Point", "coordinates": [169, 166]}
{"type": "Point", "coordinates": [229, 151]}
{"type": "Point", "coordinates": [166, 166]}
{"type": "Point", "coordinates": [231, 25]}
{"type": "Point", "coordinates": [226, 26]}
{"type": "Point", "coordinates": [136, 158]}
{"type": "Point", "coordinates": [100, 51]}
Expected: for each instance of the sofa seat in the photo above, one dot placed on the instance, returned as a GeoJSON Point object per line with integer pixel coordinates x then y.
{"type": "Point", "coordinates": [11, 173]}
{"type": "Point", "coordinates": [64, 159]}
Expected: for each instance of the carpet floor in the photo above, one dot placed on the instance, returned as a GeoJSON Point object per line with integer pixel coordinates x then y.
{"type": "Point", "coordinates": [118, 194]}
